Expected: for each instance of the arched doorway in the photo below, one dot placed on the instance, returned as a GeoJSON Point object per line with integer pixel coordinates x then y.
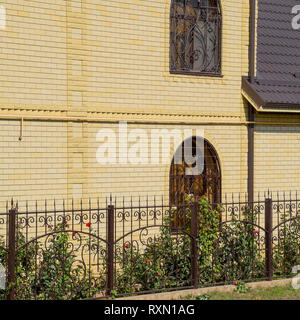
{"type": "Point", "coordinates": [204, 183]}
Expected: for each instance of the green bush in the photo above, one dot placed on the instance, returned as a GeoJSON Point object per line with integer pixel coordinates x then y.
{"type": "Point", "coordinates": [237, 254]}
{"type": "Point", "coordinates": [224, 254]}
{"type": "Point", "coordinates": [227, 252]}
{"type": "Point", "coordinates": [51, 273]}
{"type": "Point", "coordinates": [287, 246]}
{"type": "Point", "coordinates": [164, 263]}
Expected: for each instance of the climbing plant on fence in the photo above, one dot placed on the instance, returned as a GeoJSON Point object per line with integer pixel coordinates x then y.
{"type": "Point", "coordinates": [51, 269]}
{"type": "Point", "coordinates": [126, 249]}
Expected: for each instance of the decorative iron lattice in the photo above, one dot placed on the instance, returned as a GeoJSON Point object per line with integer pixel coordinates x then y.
{"type": "Point", "coordinates": [73, 251]}
{"type": "Point", "coordinates": [195, 36]}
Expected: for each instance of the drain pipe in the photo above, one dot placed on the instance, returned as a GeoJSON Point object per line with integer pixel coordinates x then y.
{"type": "Point", "coordinates": [252, 37]}
{"type": "Point", "coordinates": [251, 116]}
{"type": "Point", "coordinates": [250, 154]}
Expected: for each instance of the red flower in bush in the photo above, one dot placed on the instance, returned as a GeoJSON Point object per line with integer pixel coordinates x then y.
{"type": "Point", "coordinates": [256, 232]}
{"type": "Point", "coordinates": [88, 224]}
{"type": "Point", "coordinates": [158, 274]}
{"type": "Point", "coordinates": [126, 246]}
{"type": "Point", "coordinates": [148, 260]}
{"type": "Point", "coordinates": [74, 234]}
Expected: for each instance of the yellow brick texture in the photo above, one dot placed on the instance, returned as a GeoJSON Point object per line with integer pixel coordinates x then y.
{"type": "Point", "coordinates": [277, 153]}
{"type": "Point", "coordinates": [76, 60]}
{"type": "Point", "coordinates": [122, 50]}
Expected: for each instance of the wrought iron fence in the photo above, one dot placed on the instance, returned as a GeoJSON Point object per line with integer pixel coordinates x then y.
{"type": "Point", "coordinates": [68, 251]}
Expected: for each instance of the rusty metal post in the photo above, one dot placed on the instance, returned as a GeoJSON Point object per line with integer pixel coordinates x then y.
{"type": "Point", "coordinates": [110, 249]}
{"type": "Point", "coordinates": [11, 253]}
{"type": "Point", "coordinates": [268, 237]}
{"type": "Point", "coordinates": [194, 247]}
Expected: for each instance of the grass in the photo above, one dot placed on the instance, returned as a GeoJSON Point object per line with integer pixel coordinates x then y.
{"type": "Point", "coordinates": [246, 293]}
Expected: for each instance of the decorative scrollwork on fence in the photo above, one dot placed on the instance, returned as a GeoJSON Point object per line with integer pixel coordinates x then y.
{"type": "Point", "coordinates": [60, 265]}
{"type": "Point", "coordinates": [72, 254]}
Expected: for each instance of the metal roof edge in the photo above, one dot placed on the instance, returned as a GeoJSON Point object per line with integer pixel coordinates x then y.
{"type": "Point", "coordinates": [252, 96]}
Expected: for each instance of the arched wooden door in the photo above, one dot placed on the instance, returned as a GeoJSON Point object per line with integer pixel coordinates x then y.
{"type": "Point", "coordinates": [204, 183]}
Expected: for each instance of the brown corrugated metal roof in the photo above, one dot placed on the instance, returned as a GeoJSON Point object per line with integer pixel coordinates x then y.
{"type": "Point", "coordinates": [277, 80]}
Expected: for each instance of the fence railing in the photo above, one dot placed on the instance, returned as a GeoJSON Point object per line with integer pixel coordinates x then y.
{"type": "Point", "coordinates": [68, 251]}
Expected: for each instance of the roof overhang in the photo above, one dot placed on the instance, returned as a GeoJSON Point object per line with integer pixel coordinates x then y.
{"type": "Point", "coordinates": [261, 105]}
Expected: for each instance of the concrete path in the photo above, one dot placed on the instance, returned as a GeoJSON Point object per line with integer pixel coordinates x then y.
{"type": "Point", "coordinates": [177, 295]}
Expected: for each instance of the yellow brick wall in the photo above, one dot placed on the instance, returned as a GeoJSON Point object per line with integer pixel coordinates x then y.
{"type": "Point", "coordinates": [58, 160]}
{"type": "Point", "coordinates": [33, 54]}
{"type": "Point", "coordinates": [35, 167]}
{"type": "Point", "coordinates": [112, 56]}
{"type": "Point", "coordinates": [153, 179]}
{"type": "Point", "coordinates": [277, 153]}
{"type": "Point", "coordinates": [129, 68]}
{"type": "Point", "coordinates": [68, 66]}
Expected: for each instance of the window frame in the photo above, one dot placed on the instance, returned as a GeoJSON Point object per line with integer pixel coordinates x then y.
{"type": "Point", "coordinates": [218, 74]}
{"type": "Point", "coordinates": [217, 176]}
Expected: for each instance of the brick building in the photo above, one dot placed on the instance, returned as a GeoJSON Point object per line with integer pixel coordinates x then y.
{"type": "Point", "coordinates": [70, 68]}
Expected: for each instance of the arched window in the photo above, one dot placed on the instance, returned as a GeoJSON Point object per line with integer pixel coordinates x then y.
{"type": "Point", "coordinates": [205, 183]}
{"type": "Point", "coordinates": [195, 37]}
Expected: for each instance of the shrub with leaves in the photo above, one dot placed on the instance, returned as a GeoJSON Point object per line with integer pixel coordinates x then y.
{"type": "Point", "coordinates": [163, 263]}
{"type": "Point", "coordinates": [166, 262]}
{"type": "Point", "coordinates": [24, 267]}
{"type": "Point", "coordinates": [287, 247]}
{"type": "Point", "coordinates": [61, 274]}
{"type": "Point", "coordinates": [231, 251]}
{"type": "Point", "coordinates": [52, 272]}
{"type": "Point", "coordinates": [237, 252]}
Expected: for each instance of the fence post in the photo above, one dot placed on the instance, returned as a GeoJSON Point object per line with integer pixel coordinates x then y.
{"type": "Point", "coordinates": [11, 258]}
{"type": "Point", "coordinates": [110, 249]}
{"type": "Point", "coordinates": [268, 237]}
{"type": "Point", "coordinates": [194, 248]}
